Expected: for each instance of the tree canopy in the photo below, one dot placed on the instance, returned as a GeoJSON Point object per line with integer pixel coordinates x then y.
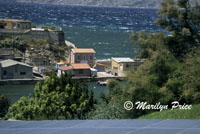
{"type": "Point", "coordinates": [53, 99]}
{"type": "Point", "coordinates": [182, 20]}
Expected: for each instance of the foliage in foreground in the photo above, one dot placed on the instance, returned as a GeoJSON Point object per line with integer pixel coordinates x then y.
{"type": "Point", "coordinates": [54, 99]}
{"type": "Point", "coordinates": [4, 105]}
{"type": "Point", "coordinates": [175, 114]}
{"type": "Point", "coordinates": [110, 106]}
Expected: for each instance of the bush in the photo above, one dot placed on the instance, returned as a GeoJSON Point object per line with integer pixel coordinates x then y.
{"type": "Point", "coordinates": [4, 105]}
{"type": "Point", "coordinates": [54, 99]}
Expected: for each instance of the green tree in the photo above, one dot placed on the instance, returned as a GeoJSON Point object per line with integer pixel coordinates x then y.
{"type": "Point", "coordinates": [54, 98]}
{"type": "Point", "coordinates": [182, 20]}
{"type": "Point", "coordinates": [4, 105]}
{"type": "Point", "coordinates": [171, 71]}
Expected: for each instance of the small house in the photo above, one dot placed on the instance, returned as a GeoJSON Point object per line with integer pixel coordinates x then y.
{"type": "Point", "coordinates": [77, 70]}
{"type": "Point", "coordinates": [81, 70]}
{"type": "Point", "coordinates": [65, 70]}
{"type": "Point", "coordinates": [121, 65]}
{"type": "Point", "coordinates": [82, 55]}
{"type": "Point", "coordinates": [10, 69]}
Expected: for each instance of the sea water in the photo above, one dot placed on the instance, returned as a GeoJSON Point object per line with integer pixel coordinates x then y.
{"type": "Point", "coordinates": [105, 29]}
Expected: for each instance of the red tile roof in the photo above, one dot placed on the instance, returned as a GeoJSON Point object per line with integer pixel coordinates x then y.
{"type": "Point", "coordinates": [65, 68]}
{"type": "Point", "coordinates": [83, 50]}
{"type": "Point", "coordinates": [80, 66]}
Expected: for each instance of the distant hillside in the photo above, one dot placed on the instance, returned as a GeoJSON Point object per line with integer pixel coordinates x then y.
{"type": "Point", "coordinates": [112, 3]}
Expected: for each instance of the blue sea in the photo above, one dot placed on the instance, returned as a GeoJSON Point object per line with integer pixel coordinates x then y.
{"type": "Point", "coordinates": [107, 30]}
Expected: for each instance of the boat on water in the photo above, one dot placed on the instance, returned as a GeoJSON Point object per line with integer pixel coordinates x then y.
{"type": "Point", "coordinates": [102, 83]}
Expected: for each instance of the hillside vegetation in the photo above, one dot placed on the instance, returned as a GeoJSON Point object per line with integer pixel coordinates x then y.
{"type": "Point", "coordinates": [114, 3]}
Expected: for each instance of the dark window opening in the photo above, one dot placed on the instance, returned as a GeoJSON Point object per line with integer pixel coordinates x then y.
{"type": "Point", "coordinates": [3, 25]}
{"type": "Point", "coordinates": [78, 57]}
{"type": "Point", "coordinates": [127, 65]}
{"type": "Point", "coordinates": [81, 71]}
{"type": "Point", "coordinates": [91, 57]}
{"type": "Point", "coordinates": [5, 73]}
{"type": "Point", "coordinates": [22, 73]}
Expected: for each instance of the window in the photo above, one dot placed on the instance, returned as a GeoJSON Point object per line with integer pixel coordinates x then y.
{"type": "Point", "coordinates": [22, 73]}
{"type": "Point", "coordinates": [5, 24]}
{"type": "Point", "coordinates": [115, 68]}
{"type": "Point", "coordinates": [14, 25]}
{"type": "Point", "coordinates": [18, 25]}
{"type": "Point", "coordinates": [4, 72]}
{"type": "Point", "coordinates": [84, 57]}
{"type": "Point", "coordinates": [81, 71]}
{"type": "Point", "coordinates": [91, 57]}
{"type": "Point", "coordinates": [16, 68]}
{"type": "Point", "coordinates": [78, 57]}
{"type": "Point", "coordinates": [127, 65]}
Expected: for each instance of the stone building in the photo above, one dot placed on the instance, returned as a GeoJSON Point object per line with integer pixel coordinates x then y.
{"type": "Point", "coordinates": [14, 24]}
{"type": "Point", "coordinates": [24, 28]}
{"type": "Point", "coordinates": [10, 69]}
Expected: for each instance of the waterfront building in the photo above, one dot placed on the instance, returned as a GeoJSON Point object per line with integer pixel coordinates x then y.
{"type": "Point", "coordinates": [65, 70]}
{"type": "Point", "coordinates": [14, 24]}
{"type": "Point", "coordinates": [77, 70]}
{"type": "Point", "coordinates": [119, 66]}
{"type": "Point", "coordinates": [82, 55]}
{"type": "Point", "coordinates": [82, 69]}
{"type": "Point", "coordinates": [10, 69]}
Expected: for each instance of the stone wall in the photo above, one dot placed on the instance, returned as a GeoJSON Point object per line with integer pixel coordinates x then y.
{"type": "Point", "coordinates": [55, 36]}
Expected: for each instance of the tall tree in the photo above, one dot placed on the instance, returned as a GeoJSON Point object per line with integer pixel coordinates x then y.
{"type": "Point", "coordinates": [182, 20]}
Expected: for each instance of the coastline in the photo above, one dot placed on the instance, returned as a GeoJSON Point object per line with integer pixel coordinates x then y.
{"type": "Point", "coordinates": [98, 6]}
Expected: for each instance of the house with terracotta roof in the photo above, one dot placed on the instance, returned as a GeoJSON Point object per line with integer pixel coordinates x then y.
{"type": "Point", "coordinates": [82, 69]}
{"type": "Point", "coordinates": [77, 70]}
{"type": "Point", "coordinates": [82, 55]}
{"type": "Point", "coordinates": [65, 70]}
{"type": "Point", "coordinates": [62, 63]}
